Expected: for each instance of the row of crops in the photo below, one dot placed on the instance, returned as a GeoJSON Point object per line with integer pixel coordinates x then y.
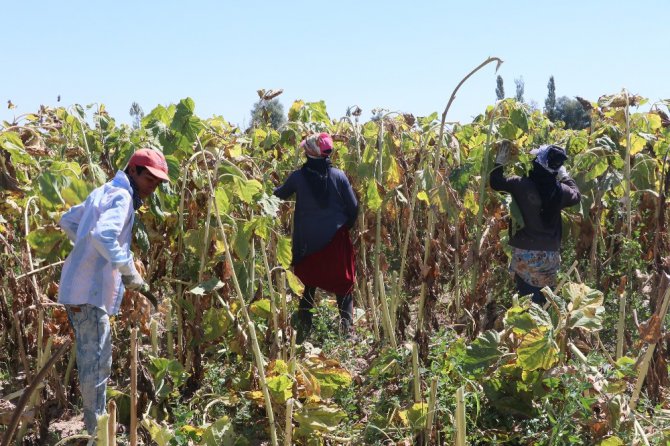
{"type": "Point", "coordinates": [445, 352]}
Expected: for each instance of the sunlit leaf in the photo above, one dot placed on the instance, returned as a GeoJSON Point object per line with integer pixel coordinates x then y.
{"type": "Point", "coordinates": [294, 283]}
{"type": "Point", "coordinates": [270, 205]}
{"type": "Point", "coordinates": [214, 324]}
{"type": "Point", "coordinates": [417, 415]}
{"type": "Point", "coordinates": [586, 307]}
{"type": "Point", "coordinates": [520, 119]}
{"type": "Point", "coordinates": [76, 192]}
{"type": "Point", "coordinates": [261, 308]}
{"type": "Point", "coordinates": [222, 200]}
{"type": "Point", "coordinates": [483, 351]}
{"type": "Point", "coordinates": [247, 189]}
{"type": "Point", "coordinates": [319, 417]}
{"type": "Point", "coordinates": [293, 112]}
{"type": "Point", "coordinates": [538, 350]}
{"type": "Point", "coordinates": [372, 199]}
{"type": "Point", "coordinates": [208, 286]}
{"type": "Point", "coordinates": [280, 388]}
{"type": "Point", "coordinates": [470, 202]}
{"type": "Point", "coordinates": [220, 433]}
{"type": "Point", "coordinates": [159, 433]}
{"type": "Point", "coordinates": [48, 243]}
{"type": "Point", "coordinates": [612, 441]}
{"type": "Point", "coordinates": [284, 255]}
{"type": "Point", "coordinates": [331, 379]}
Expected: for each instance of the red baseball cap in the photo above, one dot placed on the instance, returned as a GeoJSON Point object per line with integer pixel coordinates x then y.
{"type": "Point", "coordinates": [153, 160]}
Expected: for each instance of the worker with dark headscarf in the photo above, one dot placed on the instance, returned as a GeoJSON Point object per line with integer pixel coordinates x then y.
{"type": "Point", "coordinates": [540, 196]}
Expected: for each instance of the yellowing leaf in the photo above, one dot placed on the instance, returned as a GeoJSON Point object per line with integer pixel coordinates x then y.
{"type": "Point", "coordinates": [280, 388]}
{"type": "Point", "coordinates": [637, 143]}
{"type": "Point", "coordinates": [586, 308]}
{"type": "Point", "coordinates": [470, 202]}
{"type": "Point", "coordinates": [261, 308]}
{"type": "Point", "coordinates": [654, 120]}
{"type": "Point", "coordinates": [320, 417]}
{"type": "Point", "coordinates": [612, 441]}
{"type": "Point", "coordinates": [294, 283]}
{"type": "Point", "coordinates": [284, 255]}
{"type": "Point", "coordinates": [417, 415]}
{"type": "Point", "coordinates": [423, 196]}
{"type": "Point", "coordinates": [160, 434]}
{"type": "Point", "coordinates": [295, 110]}
{"type": "Point", "coordinates": [331, 379]}
{"type": "Point", "coordinates": [372, 198]}
{"type": "Point", "coordinates": [537, 351]}
{"type": "Point", "coordinates": [222, 200]}
{"type": "Point", "coordinates": [247, 189]}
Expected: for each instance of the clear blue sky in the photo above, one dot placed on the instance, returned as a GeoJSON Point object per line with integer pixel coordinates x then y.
{"type": "Point", "coordinates": [400, 55]}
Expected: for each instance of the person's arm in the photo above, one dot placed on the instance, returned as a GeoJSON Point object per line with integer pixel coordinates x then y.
{"type": "Point", "coordinates": [497, 180]}
{"type": "Point", "coordinates": [105, 234]}
{"type": "Point", "coordinates": [350, 202]}
{"type": "Point", "coordinates": [571, 195]}
{"type": "Point", "coordinates": [287, 189]}
{"type": "Point", "coordinates": [69, 222]}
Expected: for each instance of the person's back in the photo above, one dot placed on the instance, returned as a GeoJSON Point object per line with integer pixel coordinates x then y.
{"type": "Point", "coordinates": [536, 233]}
{"type": "Point", "coordinates": [316, 222]}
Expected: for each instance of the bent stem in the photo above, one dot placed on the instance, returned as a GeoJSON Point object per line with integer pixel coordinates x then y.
{"type": "Point", "coordinates": [436, 166]}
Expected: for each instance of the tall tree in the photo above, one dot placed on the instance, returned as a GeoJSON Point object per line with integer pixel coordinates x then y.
{"type": "Point", "coordinates": [550, 102]}
{"type": "Point", "coordinates": [137, 114]}
{"type": "Point", "coordinates": [519, 88]}
{"type": "Point", "coordinates": [500, 89]}
{"type": "Point", "coordinates": [571, 112]}
{"type": "Point", "coordinates": [268, 111]}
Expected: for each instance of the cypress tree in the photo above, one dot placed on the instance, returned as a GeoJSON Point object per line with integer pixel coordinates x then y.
{"type": "Point", "coordinates": [550, 102]}
{"type": "Point", "coordinates": [519, 88]}
{"type": "Point", "coordinates": [500, 89]}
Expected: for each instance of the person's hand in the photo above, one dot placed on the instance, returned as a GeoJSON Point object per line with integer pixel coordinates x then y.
{"type": "Point", "coordinates": [503, 152]}
{"type": "Point", "coordinates": [562, 174]}
{"type": "Point", "coordinates": [133, 281]}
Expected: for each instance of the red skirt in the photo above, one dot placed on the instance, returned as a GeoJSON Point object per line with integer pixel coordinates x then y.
{"type": "Point", "coordinates": [332, 268]}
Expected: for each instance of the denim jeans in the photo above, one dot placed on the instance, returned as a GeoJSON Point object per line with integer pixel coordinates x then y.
{"type": "Point", "coordinates": [94, 358]}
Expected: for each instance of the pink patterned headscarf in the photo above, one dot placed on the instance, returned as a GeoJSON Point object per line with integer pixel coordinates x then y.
{"type": "Point", "coordinates": [317, 145]}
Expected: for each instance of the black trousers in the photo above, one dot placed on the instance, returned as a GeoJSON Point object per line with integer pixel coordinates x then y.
{"type": "Point", "coordinates": [345, 305]}
{"type": "Point", "coordinates": [525, 289]}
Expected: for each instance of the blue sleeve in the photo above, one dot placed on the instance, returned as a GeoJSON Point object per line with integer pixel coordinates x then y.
{"type": "Point", "coordinates": [288, 188]}
{"type": "Point", "coordinates": [350, 201]}
{"type": "Point", "coordinates": [106, 232]}
{"type": "Point", "coordinates": [69, 222]}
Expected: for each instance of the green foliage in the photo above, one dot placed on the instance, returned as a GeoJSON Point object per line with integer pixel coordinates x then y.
{"type": "Point", "coordinates": [268, 112]}
{"type": "Point", "coordinates": [522, 384]}
{"type": "Point", "coordinates": [571, 112]}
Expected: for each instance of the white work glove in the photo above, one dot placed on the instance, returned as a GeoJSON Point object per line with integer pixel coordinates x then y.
{"type": "Point", "coordinates": [503, 152]}
{"type": "Point", "coordinates": [562, 174]}
{"type": "Point", "coordinates": [133, 281]}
